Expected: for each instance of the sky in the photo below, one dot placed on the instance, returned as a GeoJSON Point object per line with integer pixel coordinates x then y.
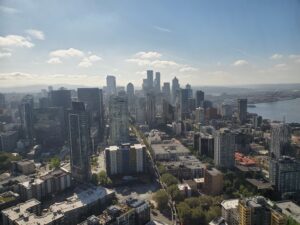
{"type": "Point", "coordinates": [202, 42]}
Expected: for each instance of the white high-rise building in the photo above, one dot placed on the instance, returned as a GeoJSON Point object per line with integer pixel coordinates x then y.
{"type": "Point", "coordinates": [224, 147]}
{"type": "Point", "coordinates": [200, 115]}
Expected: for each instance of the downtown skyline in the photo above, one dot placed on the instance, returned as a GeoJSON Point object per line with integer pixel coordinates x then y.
{"type": "Point", "coordinates": [202, 43]}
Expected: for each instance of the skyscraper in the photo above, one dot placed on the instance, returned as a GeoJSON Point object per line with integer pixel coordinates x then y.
{"type": "Point", "coordinates": [175, 90]}
{"type": "Point", "coordinates": [93, 101]}
{"type": "Point", "coordinates": [242, 110]}
{"type": "Point", "coordinates": [184, 104]}
{"type": "Point", "coordinates": [280, 137]}
{"type": "Point", "coordinates": [157, 82]}
{"type": "Point", "coordinates": [149, 79]}
{"type": "Point", "coordinates": [166, 91]}
{"type": "Point", "coordinates": [224, 147]}
{"type": "Point", "coordinates": [2, 100]}
{"type": "Point", "coordinates": [111, 85]}
{"type": "Point", "coordinates": [199, 98]}
{"type": "Point", "coordinates": [61, 98]}
{"type": "Point", "coordinates": [285, 174]}
{"type": "Point", "coordinates": [131, 98]}
{"type": "Point", "coordinates": [150, 109]}
{"type": "Point", "coordinates": [119, 119]}
{"type": "Point", "coordinates": [80, 142]}
{"type": "Point", "coordinates": [26, 114]}
{"type": "Point", "coordinates": [190, 90]}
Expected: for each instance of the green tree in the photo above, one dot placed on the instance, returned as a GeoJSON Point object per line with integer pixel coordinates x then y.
{"type": "Point", "coordinates": [6, 159]}
{"type": "Point", "coordinates": [175, 193]}
{"type": "Point", "coordinates": [54, 162]}
{"type": "Point", "coordinates": [161, 198]}
{"type": "Point", "coordinates": [169, 179]}
{"type": "Point", "coordinates": [103, 179]}
{"type": "Point", "coordinates": [184, 212]}
{"type": "Point", "coordinates": [161, 169]}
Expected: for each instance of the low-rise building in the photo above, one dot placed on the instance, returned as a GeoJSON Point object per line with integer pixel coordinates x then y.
{"type": "Point", "coordinates": [230, 211]}
{"type": "Point", "coordinates": [169, 150]}
{"type": "Point", "coordinates": [8, 199]}
{"type": "Point", "coordinates": [82, 203]}
{"type": "Point", "coordinates": [213, 181]}
{"type": "Point", "coordinates": [25, 167]}
{"type": "Point", "coordinates": [185, 167]}
{"type": "Point", "coordinates": [185, 190]}
{"type": "Point", "coordinates": [290, 209]}
{"type": "Point", "coordinates": [44, 186]}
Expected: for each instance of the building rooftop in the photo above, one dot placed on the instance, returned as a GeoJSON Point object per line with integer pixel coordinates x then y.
{"type": "Point", "coordinates": [169, 146]}
{"type": "Point", "coordinates": [21, 209]}
{"type": "Point", "coordinates": [289, 208]}
{"type": "Point", "coordinates": [230, 204]}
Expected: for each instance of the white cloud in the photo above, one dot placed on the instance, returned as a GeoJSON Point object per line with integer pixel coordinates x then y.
{"type": "Point", "coordinates": [188, 69]}
{"type": "Point", "coordinates": [94, 58]}
{"type": "Point", "coordinates": [37, 34]}
{"type": "Point", "coordinates": [5, 54]}
{"type": "Point", "coordinates": [54, 60]}
{"type": "Point", "coordinates": [15, 41]}
{"type": "Point", "coordinates": [8, 10]}
{"type": "Point", "coordinates": [240, 62]}
{"type": "Point", "coordinates": [148, 55]}
{"type": "Point", "coordinates": [296, 58]}
{"type": "Point", "coordinates": [281, 66]}
{"type": "Point", "coordinates": [85, 63]}
{"type": "Point", "coordinates": [67, 53]}
{"type": "Point", "coordinates": [276, 56]}
{"type": "Point", "coordinates": [163, 29]}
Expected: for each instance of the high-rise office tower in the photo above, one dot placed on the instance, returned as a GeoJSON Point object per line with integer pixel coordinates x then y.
{"type": "Point", "coordinates": [131, 98]}
{"type": "Point", "coordinates": [157, 82]}
{"type": "Point", "coordinates": [199, 99]}
{"type": "Point", "coordinates": [175, 90]}
{"type": "Point", "coordinates": [224, 147]}
{"type": "Point", "coordinates": [141, 110]}
{"type": "Point", "coordinates": [119, 119]}
{"type": "Point", "coordinates": [166, 91]}
{"type": "Point", "coordinates": [80, 142]}
{"type": "Point", "coordinates": [93, 101]}
{"type": "Point", "coordinates": [200, 116]}
{"type": "Point", "coordinates": [184, 104]}
{"type": "Point", "coordinates": [61, 98]}
{"type": "Point", "coordinates": [242, 110]}
{"type": "Point", "coordinates": [111, 85]}
{"type": "Point", "coordinates": [285, 174]}
{"type": "Point", "coordinates": [190, 90]}
{"type": "Point", "coordinates": [149, 80]}
{"type": "Point", "coordinates": [280, 137]}
{"type": "Point", "coordinates": [150, 109]}
{"type": "Point", "coordinates": [2, 101]}
{"type": "Point", "coordinates": [26, 114]}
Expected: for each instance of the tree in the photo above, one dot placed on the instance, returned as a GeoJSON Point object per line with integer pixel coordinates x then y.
{"type": "Point", "coordinates": [175, 193]}
{"type": "Point", "coordinates": [54, 162]}
{"type": "Point", "coordinates": [184, 212]}
{"type": "Point", "coordinates": [6, 159]}
{"type": "Point", "coordinates": [161, 198]}
{"type": "Point", "coordinates": [161, 169]}
{"type": "Point", "coordinates": [103, 179]}
{"type": "Point", "coordinates": [169, 179]}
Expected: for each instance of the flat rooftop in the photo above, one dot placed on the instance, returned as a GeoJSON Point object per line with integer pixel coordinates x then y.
{"type": "Point", "coordinates": [169, 146]}
{"type": "Point", "coordinates": [290, 208]}
{"type": "Point", "coordinates": [230, 204]}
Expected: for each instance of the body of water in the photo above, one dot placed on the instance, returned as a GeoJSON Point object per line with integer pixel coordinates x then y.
{"type": "Point", "coordinates": [290, 109]}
